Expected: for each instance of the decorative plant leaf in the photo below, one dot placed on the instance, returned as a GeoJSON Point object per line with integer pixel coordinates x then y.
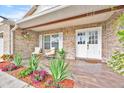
{"type": "Point", "coordinates": [117, 62]}
{"type": "Point", "coordinates": [59, 68]}
{"type": "Point", "coordinates": [33, 62]}
{"type": "Point", "coordinates": [17, 60]}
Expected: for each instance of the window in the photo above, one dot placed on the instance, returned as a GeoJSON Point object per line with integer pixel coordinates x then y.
{"type": "Point", "coordinates": [93, 37]}
{"type": "Point", "coordinates": [47, 42]}
{"type": "Point", "coordinates": [1, 35]}
{"type": "Point", "coordinates": [53, 40]}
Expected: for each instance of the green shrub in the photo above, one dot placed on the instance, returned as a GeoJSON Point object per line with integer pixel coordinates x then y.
{"type": "Point", "coordinates": [59, 70]}
{"type": "Point", "coordinates": [26, 72]}
{"type": "Point", "coordinates": [117, 62]}
{"type": "Point", "coordinates": [33, 65]}
{"type": "Point", "coordinates": [120, 33]}
{"type": "Point", "coordinates": [17, 60]}
{"type": "Point", "coordinates": [60, 54]}
{"type": "Point", "coordinates": [58, 67]}
{"type": "Point", "coordinates": [33, 62]}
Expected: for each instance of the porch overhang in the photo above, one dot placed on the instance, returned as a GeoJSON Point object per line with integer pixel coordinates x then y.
{"type": "Point", "coordinates": [70, 16]}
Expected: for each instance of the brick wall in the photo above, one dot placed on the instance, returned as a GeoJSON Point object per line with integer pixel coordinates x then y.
{"type": "Point", "coordinates": [25, 46]}
{"type": "Point", "coordinates": [6, 37]}
{"type": "Point", "coordinates": [109, 39]}
{"type": "Point", "coordinates": [69, 40]}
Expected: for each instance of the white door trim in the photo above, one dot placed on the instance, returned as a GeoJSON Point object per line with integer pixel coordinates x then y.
{"type": "Point", "coordinates": [100, 38]}
{"type": "Point", "coordinates": [41, 41]}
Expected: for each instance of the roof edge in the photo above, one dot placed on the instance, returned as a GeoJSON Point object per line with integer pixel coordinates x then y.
{"type": "Point", "coordinates": [34, 16]}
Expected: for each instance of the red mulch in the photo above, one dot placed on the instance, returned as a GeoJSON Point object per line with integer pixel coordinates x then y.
{"type": "Point", "coordinates": [16, 72]}
{"type": "Point", "coordinates": [65, 83]}
{"type": "Point", "coordinates": [3, 64]}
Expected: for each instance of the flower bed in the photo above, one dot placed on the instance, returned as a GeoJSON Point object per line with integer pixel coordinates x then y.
{"type": "Point", "coordinates": [28, 79]}
{"type": "Point", "coordinates": [3, 64]}
{"type": "Point", "coordinates": [43, 83]}
{"type": "Point", "coordinates": [7, 57]}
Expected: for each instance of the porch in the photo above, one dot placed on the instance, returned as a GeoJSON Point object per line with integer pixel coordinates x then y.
{"type": "Point", "coordinates": [90, 74]}
{"type": "Point", "coordinates": [82, 37]}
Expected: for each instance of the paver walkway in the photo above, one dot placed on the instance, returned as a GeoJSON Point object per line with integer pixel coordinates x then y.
{"type": "Point", "coordinates": [85, 74]}
{"type": "Point", "coordinates": [8, 81]}
{"type": "Point", "coordinates": [92, 75]}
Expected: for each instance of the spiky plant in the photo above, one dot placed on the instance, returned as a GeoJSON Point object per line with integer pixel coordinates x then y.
{"type": "Point", "coordinates": [33, 62]}
{"type": "Point", "coordinates": [59, 70]}
{"type": "Point", "coordinates": [17, 60]}
{"type": "Point", "coordinates": [61, 54]}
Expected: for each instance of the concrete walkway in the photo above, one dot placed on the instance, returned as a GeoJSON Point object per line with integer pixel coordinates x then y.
{"type": "Point", "coordinates": [8, 81]}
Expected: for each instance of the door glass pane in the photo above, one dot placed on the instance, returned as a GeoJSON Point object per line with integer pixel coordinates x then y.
{"type": "Point", "coordinates": [47, 42]}
{"type": "Point", "coordinates": [93, 37]}
{"type": "Point", "coordinates": [55, 41]}
{"type": "Point", "coordinates": [81, 38]}
{"type": "Point", "coordinates": [1, 35]}
{"type": "Point", "coordinates": [90, 38]}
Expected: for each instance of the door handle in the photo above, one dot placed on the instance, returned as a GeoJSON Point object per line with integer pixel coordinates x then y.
{"type": "Point", "coordinates": [87, 46]}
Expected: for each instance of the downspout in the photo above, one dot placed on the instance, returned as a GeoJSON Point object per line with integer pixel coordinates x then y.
{"type": "Point", "coordinates": [11, 38]}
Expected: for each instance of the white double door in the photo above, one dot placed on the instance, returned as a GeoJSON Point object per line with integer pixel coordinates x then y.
{"type": "Point", "coordinates": [88, 43]}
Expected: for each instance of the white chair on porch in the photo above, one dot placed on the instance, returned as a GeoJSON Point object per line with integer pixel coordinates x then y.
{"type": "Point", "coordinates": [37, 50]}
{"type": "Point", "coordinates": [51, 52]}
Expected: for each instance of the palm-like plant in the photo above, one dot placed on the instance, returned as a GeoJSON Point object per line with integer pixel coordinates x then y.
{"type": "Point", "coordinates": [17, 60]}
{"type": "Point", "coordinates": [59, 70]}
{"type": "Point", "coordinates": [33, 62]}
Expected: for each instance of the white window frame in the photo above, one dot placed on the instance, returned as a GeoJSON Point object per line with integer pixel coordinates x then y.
{"type": "Point", "coordinates": [60, 39]}
{"type": "Point", "coordinates": [41, 41]}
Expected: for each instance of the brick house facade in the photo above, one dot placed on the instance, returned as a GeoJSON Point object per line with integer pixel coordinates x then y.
{"type": "Point", "coordinates": [5, 31]}
{"type": "Point", "coordinates": [69, 40]}
{"type": "Point", "coordinates": [109, 42]}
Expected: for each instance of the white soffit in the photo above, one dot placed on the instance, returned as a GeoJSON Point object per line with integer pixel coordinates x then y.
{"type": "Point", "coordinates": [80, 21]}
{"type": "Point", "coordinates": [66, 12]}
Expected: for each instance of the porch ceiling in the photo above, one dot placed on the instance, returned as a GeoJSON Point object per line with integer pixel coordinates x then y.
{"type": "Point", "coordinates": [64, 13]}
{"type": "Point", "coordinates": [80, 21]}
